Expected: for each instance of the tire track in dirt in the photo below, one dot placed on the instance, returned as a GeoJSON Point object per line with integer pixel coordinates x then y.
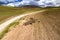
{"type": "Point", "coordinates": [45, 27]}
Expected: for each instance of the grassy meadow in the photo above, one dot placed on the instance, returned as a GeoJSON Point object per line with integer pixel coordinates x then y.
{"type": "Point", "coordinates": [8, 12]}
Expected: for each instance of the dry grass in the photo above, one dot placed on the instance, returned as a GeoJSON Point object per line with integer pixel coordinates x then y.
{"type": "Point", "coordinates": [7, 12]}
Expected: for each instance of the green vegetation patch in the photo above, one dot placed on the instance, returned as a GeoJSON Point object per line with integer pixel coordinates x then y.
{"type": "Point", "coordinates": [6, 30]}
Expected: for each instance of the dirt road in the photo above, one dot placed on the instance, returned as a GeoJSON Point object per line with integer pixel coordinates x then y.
{"type": "Point", "coordinates": [39, 26]}
{"type": "Point", "coordinates": [5, 24]}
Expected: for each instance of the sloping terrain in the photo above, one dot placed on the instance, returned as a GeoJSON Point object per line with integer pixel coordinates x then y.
{"type": "Point", "coordinates": [9, 12]}
{"type": "Point", "coordinates": [41, 26]}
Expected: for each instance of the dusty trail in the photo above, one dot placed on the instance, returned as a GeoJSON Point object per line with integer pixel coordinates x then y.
{"type": "Point", "coordinates": [5, 24]}
{"type": "Point", "coordinates": [36, 27]}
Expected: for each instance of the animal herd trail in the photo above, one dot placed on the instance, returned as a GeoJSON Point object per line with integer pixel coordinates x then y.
{"type": "Point", "coordinates": [5, 24]}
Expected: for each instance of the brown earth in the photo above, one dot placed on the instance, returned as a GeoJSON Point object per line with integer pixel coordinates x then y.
{"type": "Point", "coordinates": [40, 26]}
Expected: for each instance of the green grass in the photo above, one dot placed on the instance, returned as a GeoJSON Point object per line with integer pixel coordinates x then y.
{"type": "Point", "coordinates": [6, 12]}
{"type": "Point", "coordinates": [6, 30]}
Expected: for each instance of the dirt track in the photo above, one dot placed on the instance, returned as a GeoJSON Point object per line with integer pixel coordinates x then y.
{"type": "Point", "coordinates": [36, 27]}
{"type": "Point", "coordinates": [6, 23]}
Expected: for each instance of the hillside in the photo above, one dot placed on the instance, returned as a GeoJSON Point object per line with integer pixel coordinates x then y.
{"type": "Point", "coordinates": [40, 26]}
{"type": "Point", "coordinates": [9, 12]}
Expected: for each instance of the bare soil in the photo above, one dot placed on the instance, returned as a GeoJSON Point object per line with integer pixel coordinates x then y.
{"type": "Point", "coordinates": [36, 27]}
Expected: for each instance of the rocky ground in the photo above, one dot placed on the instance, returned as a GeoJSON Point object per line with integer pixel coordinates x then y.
{"type": "Point", "coordinates": [36, 27]}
